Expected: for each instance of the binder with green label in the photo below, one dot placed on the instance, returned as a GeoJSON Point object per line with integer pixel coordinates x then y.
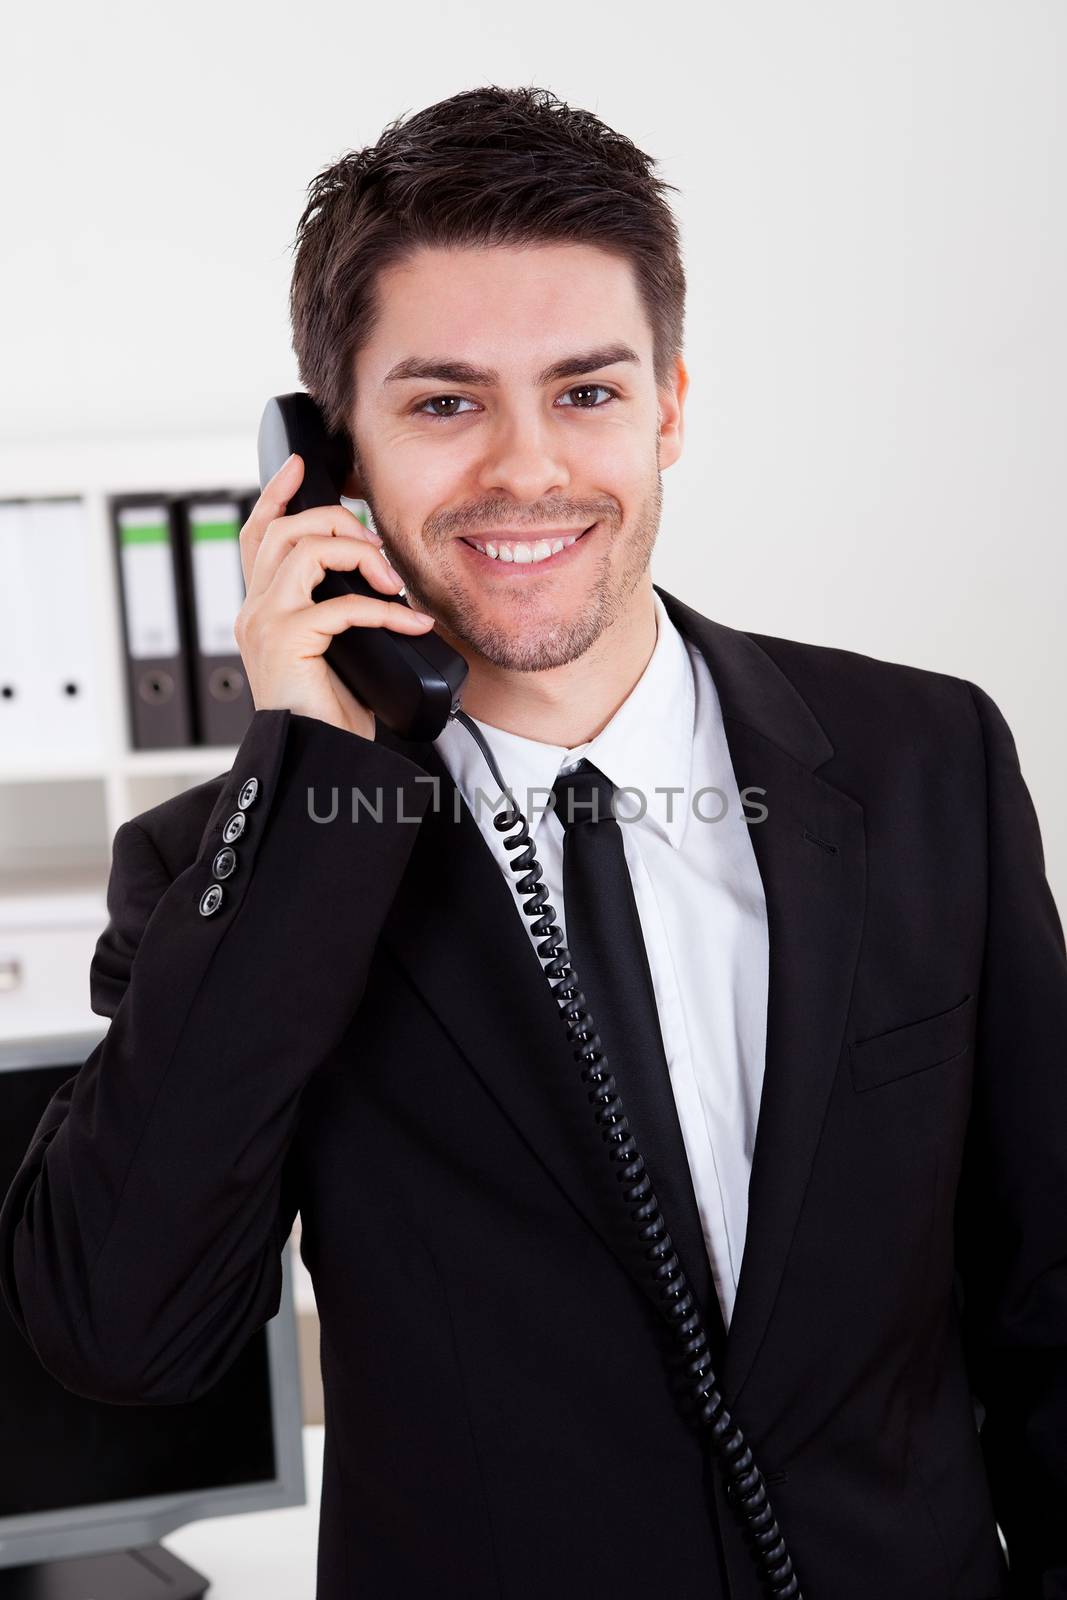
{"type": "Point", "coordinates": [210, 526]}
{"type": "Point", "coordinates": [155, 621]}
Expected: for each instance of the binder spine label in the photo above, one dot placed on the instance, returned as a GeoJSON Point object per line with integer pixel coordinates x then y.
{"type": "Point", "coordinates": [148, 581]}
{"type": "Point", "coordinates": [218, 582]}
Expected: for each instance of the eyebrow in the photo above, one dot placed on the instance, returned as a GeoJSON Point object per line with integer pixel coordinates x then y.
{"type": "Point", "coordinates": [445, 370]}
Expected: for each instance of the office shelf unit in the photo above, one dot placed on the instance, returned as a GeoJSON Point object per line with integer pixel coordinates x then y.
{"type": "Point", "coordinates": [58, 812]}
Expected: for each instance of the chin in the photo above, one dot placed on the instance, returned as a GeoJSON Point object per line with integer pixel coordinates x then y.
{"type": "Point", "coordinates": [537, 638]}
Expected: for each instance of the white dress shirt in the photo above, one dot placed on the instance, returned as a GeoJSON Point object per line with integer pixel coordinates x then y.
{"type": "Point", "coordinates": [699, 897]}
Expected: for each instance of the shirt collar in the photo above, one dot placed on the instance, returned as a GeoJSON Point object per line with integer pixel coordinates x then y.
{"type": "Point", "coordinates": [646, 748]}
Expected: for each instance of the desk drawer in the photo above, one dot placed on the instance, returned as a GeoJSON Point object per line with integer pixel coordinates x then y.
{"type": "Point", "coordinates": [44, 979]}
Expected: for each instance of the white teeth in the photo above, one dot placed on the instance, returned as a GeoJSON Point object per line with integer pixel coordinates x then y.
{"type": "Point", "coordinates": [532, 552]}
{"type": "Point", "coordinates": [523, 552]}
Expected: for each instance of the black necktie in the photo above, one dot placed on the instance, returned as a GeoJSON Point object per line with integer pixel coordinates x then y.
{"type": "Point", "coordinates": [604, 937]}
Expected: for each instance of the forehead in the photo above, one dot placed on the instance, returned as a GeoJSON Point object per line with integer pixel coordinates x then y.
{"type": "Point", "coordinates": [503, 306]}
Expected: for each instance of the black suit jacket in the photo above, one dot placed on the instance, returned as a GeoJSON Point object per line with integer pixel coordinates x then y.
{"type": "Point", "coordinates": [363, 1031]}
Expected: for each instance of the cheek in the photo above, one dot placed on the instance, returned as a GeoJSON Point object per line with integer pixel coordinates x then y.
{"type": "Point", "coordinates": [618, 460]}
{"type": "Point", "coordinates": [416, 476]}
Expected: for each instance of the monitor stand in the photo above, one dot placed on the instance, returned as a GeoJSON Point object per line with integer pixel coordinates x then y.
{"type": "Point", "coordinates": [146, 1573]}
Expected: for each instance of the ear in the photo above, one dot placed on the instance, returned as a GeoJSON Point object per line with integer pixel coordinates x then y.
{"type": "Point", "coordinates": [671, 409]}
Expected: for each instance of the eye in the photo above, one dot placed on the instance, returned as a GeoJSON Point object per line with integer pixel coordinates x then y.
{"type": "Point", "coordinates": [585, 388]}
{"type": "Point", "coordinates": [459, 400]}
{"type": "Point", "coordinates": [437, 416]}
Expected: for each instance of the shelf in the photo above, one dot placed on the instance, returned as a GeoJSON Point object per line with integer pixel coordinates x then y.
{"type": "Point", "coordinates": [209, 759]}
{"type": "Point", "coordinates": [58, 772]}
{"type": "Point", "coordinates": [194, 760]}
{"type": "Point", "coordinates": [62, 800]}
{"type": "Point", "coordinates": [57, 896]}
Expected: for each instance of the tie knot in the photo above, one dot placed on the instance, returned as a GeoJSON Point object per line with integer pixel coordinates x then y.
{"type": "Point", "coordinates": [584, 795]}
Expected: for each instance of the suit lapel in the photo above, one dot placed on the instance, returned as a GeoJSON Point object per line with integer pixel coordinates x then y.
{"type": "Point", "coordinates": [811, 855]}
{"type": "Point", "coordinates": [453, 928]}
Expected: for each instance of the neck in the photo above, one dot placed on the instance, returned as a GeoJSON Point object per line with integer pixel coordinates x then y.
{"type": "Point", "coordinates": [570, 704]}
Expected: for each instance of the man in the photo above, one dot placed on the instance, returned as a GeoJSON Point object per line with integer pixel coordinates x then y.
{"type": "Point", "coordinates": [854, 957]}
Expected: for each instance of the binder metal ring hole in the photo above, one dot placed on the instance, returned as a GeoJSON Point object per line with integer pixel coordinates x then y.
{"type": "Point", "coordinates": [156, 687]}
{"type": "Point", "coordinates": [226, 684]}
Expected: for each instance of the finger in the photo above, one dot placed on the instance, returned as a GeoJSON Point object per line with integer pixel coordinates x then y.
{"type": "Point", "coordinates": [275, 496]}
{"type": "Point", "coordinates": [283, 534]}
{"type": "Point", "coordinates": [309, 558]}
{"type": "Point", "coordinates": [327, 618]}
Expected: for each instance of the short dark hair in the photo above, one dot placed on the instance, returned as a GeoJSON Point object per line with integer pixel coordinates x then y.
{"type": "Point", "coordinates": [489, 166]}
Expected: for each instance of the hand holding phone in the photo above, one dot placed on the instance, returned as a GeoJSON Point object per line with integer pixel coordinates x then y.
{"type": "Point", "coordinates": [412, 684]}
{"type": "Point", "coordinates": [281, 630]}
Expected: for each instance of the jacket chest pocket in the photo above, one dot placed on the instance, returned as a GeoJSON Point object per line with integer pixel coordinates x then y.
{"type": "Point", "coordinates": [915, 1047]}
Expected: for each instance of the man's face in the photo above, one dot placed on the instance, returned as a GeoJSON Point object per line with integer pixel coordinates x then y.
{"type": "Point", "coordinates": [481, 439]}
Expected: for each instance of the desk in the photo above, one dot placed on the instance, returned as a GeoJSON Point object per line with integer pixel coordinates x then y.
{"type": "Point", "coordinates": [260, 1555]}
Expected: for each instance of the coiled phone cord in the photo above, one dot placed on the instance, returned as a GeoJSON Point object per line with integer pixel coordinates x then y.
{"type": "Point", "coordinates": [746, 1489]}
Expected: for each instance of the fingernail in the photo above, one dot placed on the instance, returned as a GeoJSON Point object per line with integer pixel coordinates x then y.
{"type": "Point", "coordinates": [423, 616]}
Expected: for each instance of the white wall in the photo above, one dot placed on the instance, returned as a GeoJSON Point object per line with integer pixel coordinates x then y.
{"type": "Point", "coordinates": [875, 236]}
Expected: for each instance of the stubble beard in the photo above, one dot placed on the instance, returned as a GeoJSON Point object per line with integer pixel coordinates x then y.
{"type": "Point", "coordinates": [545, 644]}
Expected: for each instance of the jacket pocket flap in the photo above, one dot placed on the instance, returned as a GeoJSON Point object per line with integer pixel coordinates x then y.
{"type": "Point", "coordinates": [912, 1048]}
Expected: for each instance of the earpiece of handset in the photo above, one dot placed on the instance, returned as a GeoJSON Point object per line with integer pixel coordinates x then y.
{"type": "Point", "coordinates": [413, 684]}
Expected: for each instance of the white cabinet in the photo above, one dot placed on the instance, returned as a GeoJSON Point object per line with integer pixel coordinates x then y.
{"type": "Point", "coordinates": [60, 806]}
{"type": "Point", "coordinates": [44, 979]}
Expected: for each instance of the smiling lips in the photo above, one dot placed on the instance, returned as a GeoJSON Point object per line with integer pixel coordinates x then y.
{"type": "Point", "coordinates": [526, 552]}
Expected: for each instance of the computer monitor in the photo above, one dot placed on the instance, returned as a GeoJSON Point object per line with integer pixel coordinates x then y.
{"type": "Point", "coordinates": [86, 1488]}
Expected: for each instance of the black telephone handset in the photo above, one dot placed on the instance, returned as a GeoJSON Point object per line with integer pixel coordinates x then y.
{"type": "Point", "coordinates": [411, 683]}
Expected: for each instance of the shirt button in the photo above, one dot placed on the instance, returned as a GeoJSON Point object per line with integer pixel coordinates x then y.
{"type": "Point", "coordinates": [224, 862]}
{"type": "Point", "coordinates": [248, 793]}
{"type": "Point", "coordinates": [211, 899]}
{"type": "Point", "coordinates": [235, 826]}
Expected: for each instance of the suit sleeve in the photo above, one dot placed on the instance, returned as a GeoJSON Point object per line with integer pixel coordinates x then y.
{"type": "Point", "coordinates": [141, 1239]}
{"type": "Point", "coordinates": [1012, 1199]}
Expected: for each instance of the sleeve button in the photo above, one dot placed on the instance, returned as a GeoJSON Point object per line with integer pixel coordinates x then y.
{"type": "Point", "coordinates": [224, 863]}
{"type": "Point", "coordinates": [248, 793]}
{"type": "Point", "coordinates": [211, 899]}
{"type": "Point", "coordinates": [234, 827]}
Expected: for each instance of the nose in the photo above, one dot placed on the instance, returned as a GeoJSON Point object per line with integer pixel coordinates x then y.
{"type": "Point", "coordinates": [523, 458]}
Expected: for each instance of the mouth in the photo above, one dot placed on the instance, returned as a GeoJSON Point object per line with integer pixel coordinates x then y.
{"type": "Point", "coordinates": [513, 555]}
